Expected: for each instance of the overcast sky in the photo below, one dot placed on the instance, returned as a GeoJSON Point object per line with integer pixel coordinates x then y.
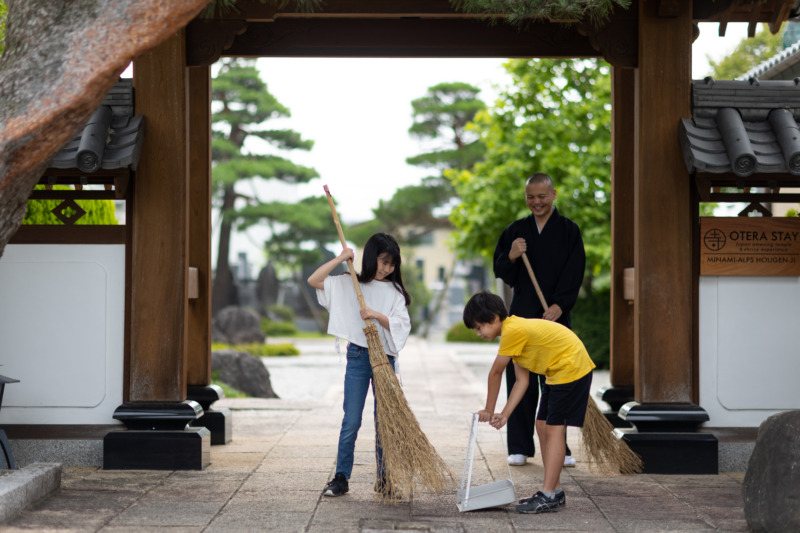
{"type": "Point", "coordinates": [358, 111]}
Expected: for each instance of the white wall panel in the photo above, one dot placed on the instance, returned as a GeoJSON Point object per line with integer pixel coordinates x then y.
{"type": "Point", "coordinates": [61, 333]}
{"type": "Point", "coordinates": [749, 348]}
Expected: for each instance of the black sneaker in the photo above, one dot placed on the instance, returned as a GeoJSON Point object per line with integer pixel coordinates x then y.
{"type": "Point", "coordinates": [337, 486]}
{"type": "Point", "coordinates": [562, 500]}
{"type": "Point", "coordinates": [539, 503]}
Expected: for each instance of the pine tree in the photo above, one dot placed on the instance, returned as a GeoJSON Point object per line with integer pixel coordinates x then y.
{"type": "Point", "coordinates": [241, 104]}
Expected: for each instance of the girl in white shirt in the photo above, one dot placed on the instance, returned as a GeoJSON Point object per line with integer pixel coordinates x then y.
{"type": "Point", "coordinates": [387, 303]}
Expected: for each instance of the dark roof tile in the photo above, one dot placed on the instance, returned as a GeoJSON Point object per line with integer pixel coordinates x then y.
{"type": "Point", "coordinates": [112, 138]}
{"type": "Point", "coordinates": [742, 127]}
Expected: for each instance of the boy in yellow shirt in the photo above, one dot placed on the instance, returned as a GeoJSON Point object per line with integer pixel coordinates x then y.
{"type": "Point", "coordinates": [542, 347]}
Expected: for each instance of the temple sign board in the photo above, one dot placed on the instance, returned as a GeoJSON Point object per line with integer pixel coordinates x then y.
{"type": "Point", "coordinates": [749, 246]}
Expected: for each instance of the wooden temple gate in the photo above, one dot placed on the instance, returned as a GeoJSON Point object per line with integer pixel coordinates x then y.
{"type": "Point", "coordinates": [653, 330]}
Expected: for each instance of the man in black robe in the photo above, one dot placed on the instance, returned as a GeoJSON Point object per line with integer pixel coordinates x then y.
{"type": "Point", "coordinates": [555, 250]}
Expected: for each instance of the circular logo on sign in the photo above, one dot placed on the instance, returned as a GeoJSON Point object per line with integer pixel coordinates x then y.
{"type": "Point", "coordinates": [714, 239]}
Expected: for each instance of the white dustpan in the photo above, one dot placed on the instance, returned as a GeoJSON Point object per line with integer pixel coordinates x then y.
{"type": "Point", "coordinates": [485, 496]}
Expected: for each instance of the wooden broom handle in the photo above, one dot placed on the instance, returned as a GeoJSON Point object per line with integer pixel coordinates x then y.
{"type": "Point", "coordinates": [533, 279]}
{"type": "Point", "coordinates": [344, 246]}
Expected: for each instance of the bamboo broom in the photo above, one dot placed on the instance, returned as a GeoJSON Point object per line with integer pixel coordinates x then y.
{"type": "Point", "coordinates": [606, 452]}
{"type": "Point", "coordinates": [410, 462]}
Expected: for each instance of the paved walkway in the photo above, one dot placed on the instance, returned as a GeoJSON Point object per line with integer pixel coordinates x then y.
{"type": "Point", "coordinates": [283, 452]}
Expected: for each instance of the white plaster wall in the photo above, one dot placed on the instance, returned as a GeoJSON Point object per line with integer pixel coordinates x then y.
{"type": "Point", "coordinates": [749, 348]}
{"type": "Point", "coordinates": [62, 313]}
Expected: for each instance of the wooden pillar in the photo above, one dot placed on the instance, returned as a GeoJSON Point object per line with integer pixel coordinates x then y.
{"type": "Point", "coordinates": [663, 306]}
{"type": "Point", "coordinates": [622, 171]}
{"type": "Point", "coordinates": [219, 422]}
{"type": "Point", "coordinates": [159, 256]}
{"type": "Point", "coordinates": [199, 342]}
{"type": "Point", "coordinates": [156, 412]}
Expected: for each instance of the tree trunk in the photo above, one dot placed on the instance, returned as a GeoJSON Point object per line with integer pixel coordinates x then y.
{"type": "Point", "coordinates": [221, 291]}
{"type": "Point", "coordinates": [61, 58]}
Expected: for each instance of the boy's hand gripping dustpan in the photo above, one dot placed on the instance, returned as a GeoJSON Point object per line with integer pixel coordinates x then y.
{"type": "Point", "coordinates": [494, 494]}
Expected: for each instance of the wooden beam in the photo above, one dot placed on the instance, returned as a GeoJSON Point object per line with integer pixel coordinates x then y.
{"type": "Point", "coordinates": [664, 310]}
{"type": "Point", "coordinates": [199, 350]}
{"type": "Point", "coordinates": [622, 171]}
{"type": "Point", "coordinates": [159, 266]}
{"type": "Point", "coordinates": [406, 38]}
{"type": "Point", "coordinates": [770, 11]}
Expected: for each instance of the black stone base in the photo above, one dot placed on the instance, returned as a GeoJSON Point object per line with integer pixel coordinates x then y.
{"type": "Point", "coordinates": [674, 453]}
{"type": "Point", "coordinates": [219, 422]}
{"type": "Point", "coordinates": [188, 449]}
{"type": "Point", "coordinates": [615, 420]}
{"type": "Point", "coordinates": [666, 417]}
{"type": "Point", "coordinates": [616, 397]}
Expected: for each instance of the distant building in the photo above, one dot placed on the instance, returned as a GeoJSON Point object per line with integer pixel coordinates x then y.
{"type": "Point", "coordinates": [450, 280]}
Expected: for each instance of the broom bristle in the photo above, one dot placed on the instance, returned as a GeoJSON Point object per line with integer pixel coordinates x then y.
{"type": "Point", "coordinates": [606, 452]}
{"type": "Point", "coordinates": [410, 462]}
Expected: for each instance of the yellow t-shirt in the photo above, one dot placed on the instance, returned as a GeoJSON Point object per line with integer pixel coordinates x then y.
{"type": "Point", "coordinates": [545, 347]}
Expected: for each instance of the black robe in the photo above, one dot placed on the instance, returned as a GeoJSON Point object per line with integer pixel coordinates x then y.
{"type": "Point", "coordinates": [558, 261]}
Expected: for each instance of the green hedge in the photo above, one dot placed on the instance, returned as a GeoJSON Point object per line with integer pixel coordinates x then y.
{"type": "Point", "coordinates": [283, 312]}
{"type": "Point", "coordinates": [460, 333]}
{"type": "Point", "coordinates": [260, 350]}
{"type": "Point", "coordinates": [275, 328]}
{"type": "Point", "coordinates": [98, 212]}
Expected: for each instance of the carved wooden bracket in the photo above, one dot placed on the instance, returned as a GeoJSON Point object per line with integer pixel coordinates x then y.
{"type": "Point", "coordinates": [206, 40]}
{"type": "Point", "coordinates": [618, 39]}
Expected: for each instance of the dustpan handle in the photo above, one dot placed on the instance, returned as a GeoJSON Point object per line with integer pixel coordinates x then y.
{"type": "Point", "coordinates": [503, 444]}
{"type": "Point", "coordinates": [473, 436]}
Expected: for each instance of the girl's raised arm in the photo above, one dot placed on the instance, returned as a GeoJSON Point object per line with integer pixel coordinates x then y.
{"type": "Point", "coordinates": [317, 279]}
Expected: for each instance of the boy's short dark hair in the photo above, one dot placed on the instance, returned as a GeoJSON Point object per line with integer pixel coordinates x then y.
{"type": "Point", "coordinates": [482, 308]}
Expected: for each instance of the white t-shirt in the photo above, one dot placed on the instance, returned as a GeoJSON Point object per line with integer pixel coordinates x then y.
{"type": "Point", "coordinates": [339, 298]}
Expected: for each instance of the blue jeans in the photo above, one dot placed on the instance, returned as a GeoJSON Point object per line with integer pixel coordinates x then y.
{"type": "Point", "coordinates": [357, 380]}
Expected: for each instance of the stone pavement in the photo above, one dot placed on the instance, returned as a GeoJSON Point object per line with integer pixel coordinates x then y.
{"type": "Point", "coordinates": [270, 477]}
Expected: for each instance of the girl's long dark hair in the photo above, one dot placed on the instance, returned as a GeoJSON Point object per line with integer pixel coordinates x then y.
{"type": "Point", "coordinates": [382, 243]}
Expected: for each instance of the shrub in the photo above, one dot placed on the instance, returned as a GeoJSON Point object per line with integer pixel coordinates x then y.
{"type": "Point", "coordinates": [278, 329]}
{"type": "Point", "coordinates": [282, 312]}
{"type": "Point", "coordinates": [460, 333]}
{"type": "Point", "coordinates": [98, 212]}
{"type": "Point", "coordinates": [260, 350]}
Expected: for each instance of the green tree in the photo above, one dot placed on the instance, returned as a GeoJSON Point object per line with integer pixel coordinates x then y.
{"type": "Point", "coordinates": [241, 105]}
{"type": "Point", "coordinates": [553, 118]}
{"type": "Point", "coordinates": [440, 119]}
{"type": "Point", "coordinates": [747, 54]}
{"type": "Point", "coordinates": [298, 235]}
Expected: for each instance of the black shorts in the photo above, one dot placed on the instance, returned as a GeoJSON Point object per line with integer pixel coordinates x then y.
{"type": "Point", "coordinates": [565, 404]}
